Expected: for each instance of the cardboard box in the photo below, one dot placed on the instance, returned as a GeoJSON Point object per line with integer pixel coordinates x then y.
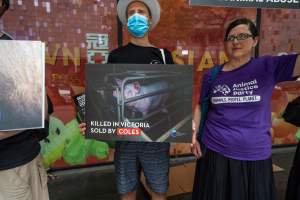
{"type": "Point", "coordinates": [181, 179]}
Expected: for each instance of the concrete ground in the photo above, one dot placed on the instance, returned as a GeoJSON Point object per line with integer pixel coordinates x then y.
{"type": "Point", "coordinates": [97, 183]}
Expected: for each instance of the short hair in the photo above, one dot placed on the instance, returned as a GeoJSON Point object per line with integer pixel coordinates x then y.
{"type": "Point", "coordinates": [140, 2]}
{"type": "Point", "coordinates": [246, 21]}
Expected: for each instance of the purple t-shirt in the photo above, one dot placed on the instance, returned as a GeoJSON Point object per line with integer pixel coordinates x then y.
{"type": "Point", "coordinates": [239, 119]}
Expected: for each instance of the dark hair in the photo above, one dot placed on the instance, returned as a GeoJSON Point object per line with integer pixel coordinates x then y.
{"type": "Point", "coordinates": [246, 21]}
{"type": "Point", "coordinates": [140, 2]}
{"type": "Point", "coordinates": [6, 4]}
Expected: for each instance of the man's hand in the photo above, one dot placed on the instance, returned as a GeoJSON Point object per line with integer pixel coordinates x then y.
{"type": "Point", "coordinates": [82, 128]}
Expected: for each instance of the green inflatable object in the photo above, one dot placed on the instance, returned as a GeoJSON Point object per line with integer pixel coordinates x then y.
{"type": "Point", "coordinates": [75, 151]}
{"type": "Point", "coordinates": [298, 134]}
{"type": "Point", "coordinates": [66, 141]}
{"type": "Point", "coordinates": [52, 147]}
{"type": "Point", "coordinates": [97, 149]}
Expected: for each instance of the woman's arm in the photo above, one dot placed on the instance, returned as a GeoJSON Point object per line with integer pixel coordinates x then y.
{"type": "Point", "coordinates": [195, 146]}
{"type": "Point", "coordinates": [197, 116]}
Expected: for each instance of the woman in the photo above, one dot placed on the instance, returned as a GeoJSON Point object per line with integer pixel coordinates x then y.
{"type": "Point", "coordinates": [237, 162]}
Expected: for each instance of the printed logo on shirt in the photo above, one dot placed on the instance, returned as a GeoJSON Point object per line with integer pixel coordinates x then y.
{"type": "Point", "coordinates": [239, 93]}
{"type": "Point", "coordinates": [224, 89]}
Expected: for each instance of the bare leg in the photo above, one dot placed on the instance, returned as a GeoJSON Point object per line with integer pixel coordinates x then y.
{"type": "Point", "coordinates": [129, 196]}
{"type": "Point", "coordinates": [156, 196]}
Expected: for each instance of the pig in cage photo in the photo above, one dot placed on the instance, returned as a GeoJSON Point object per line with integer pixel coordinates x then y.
{"type": "Point", "coordinates": [160, 97]}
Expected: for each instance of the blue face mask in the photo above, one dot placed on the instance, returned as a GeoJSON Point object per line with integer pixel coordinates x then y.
{"type": "Point", "coordinates": [138, 25]}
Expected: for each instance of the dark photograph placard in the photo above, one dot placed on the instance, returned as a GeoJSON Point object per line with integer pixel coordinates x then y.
{"type": "Point", "coordinates": [135, 102]}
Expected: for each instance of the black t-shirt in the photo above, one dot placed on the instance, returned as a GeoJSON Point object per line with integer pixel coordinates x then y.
{"type": "Point", "coordinates": [133, 54]}
{"type": "Point", "coordinates": [23, 147]}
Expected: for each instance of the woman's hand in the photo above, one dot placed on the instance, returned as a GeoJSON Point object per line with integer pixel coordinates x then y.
{"type": "Point", "coordinates": [196, 149]}
{"type": "Point", "coordinates": [195, 146]}
{"type": "Point", "coordinates": [82, 128]}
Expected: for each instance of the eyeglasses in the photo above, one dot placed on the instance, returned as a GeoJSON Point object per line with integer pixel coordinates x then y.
{"type": "Point", "coordinates": [239, 37]}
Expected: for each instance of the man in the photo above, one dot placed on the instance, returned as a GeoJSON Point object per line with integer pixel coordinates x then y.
{"type": "Point", "coordinates": [132, 157]}
{"type": "Point", "coordinates": [22, 174]}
